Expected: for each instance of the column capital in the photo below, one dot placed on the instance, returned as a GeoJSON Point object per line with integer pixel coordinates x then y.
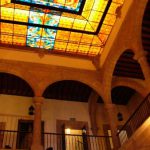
{"type": "Point", "coordinates": [38, 100]}
{"type": "Point", "coordinates": [109, 106]}
{"type": "Point", "coordinates": [140, 55]}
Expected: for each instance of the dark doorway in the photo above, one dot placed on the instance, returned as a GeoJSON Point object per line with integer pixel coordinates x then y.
{"type": "Point", "coordinates": [25, 132]}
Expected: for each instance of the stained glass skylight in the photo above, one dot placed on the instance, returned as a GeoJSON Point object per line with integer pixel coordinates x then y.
{"type": "Point", "coordinates": [70, 5]}
{"type": "Point", "coordinates": [56, 30]}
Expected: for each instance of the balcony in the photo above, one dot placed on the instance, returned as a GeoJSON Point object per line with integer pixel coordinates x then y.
{"type": "Point", "coordinates": [16, 133]}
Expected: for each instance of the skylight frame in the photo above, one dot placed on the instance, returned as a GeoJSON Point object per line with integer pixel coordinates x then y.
{"type": "Point", "coordinates": [63, 28]}
{"type": "Point", "coordinates": [78, 47]}
{"type": "Point", "coordinates": [52, 7]}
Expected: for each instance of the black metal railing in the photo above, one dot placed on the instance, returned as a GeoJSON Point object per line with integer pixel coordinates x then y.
{"type": "Point", "coordinates": [135, 120]}
{"type": "Point", "coordinates": [15, 139]}
{"type": "Point", "coordinates": [55, 141]}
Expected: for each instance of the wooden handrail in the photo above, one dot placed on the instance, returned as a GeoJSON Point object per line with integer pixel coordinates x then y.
{"type": "Point", "coordinates": [137, 109]}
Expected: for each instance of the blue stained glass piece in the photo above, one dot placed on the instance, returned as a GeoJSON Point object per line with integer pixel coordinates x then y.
{"type": "Point", "coordinates": [42, 2]}
{"type": "Point", "coordinates": [34, 31]}
{"type": "Point", "coordinates": [49, 33]}
{"type": "Point", "coordinates": [47, 43]}
{"type": "Point", "coordinates": [26, 1]}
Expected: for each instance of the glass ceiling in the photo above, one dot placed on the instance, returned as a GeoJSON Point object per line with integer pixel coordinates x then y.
{"type": "Point", "coordinates": [79, 27]}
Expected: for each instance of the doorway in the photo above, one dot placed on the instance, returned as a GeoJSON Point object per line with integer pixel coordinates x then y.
{"type": "Point", "coordinates": [74, 134]}
{"type": "Point", "coordinates": [25, 133]}
{"type": "Point", "coordinates": [108, 141]}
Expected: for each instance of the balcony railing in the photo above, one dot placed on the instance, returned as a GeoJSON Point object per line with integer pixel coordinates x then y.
{"type": "Point", "coordinates": [54, 141]}
{"type": "Point", "coordinates": [135, 120]}
{"type": "Point", "coordinates": [15, 140]}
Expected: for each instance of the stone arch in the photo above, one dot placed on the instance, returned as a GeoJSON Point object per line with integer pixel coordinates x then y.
{"type": "Point", "coordinates": [145, 32]}
{"type": "Point", "coordinates": [127, 66]}
{"type": "Point", "coordinates": [128, 80]}
{"type": "Point", "coordinates": [95, 85]}
{"type": "Point", "coordinates": [9, 76]}
{"type": "Point", "coordinates": [143, 4]}
{"type": "Point", "coordinates": [108, 71]}
{"type": "Point", "coordinates": [92, 107]}
{"type": "Point", "coordinates": [131, 31]}
{"type": "Point", "coordinates": [21, 74]}
{"type": "Point", "coordinates": [121, 95]}
{"type": "Point", "coordinates": [66, 85]}
{"type": "Point", "coordinates": [139, 8]}
{"type": "Point", "coordinates": [137, 85]}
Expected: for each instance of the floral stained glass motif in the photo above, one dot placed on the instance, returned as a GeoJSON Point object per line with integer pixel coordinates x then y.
{"type": "Point", "coordinates": [58, 31]}
{"type": "Point", "coordinates": [50, 18]}
{"type": "Point", "coordinates": [64, 4]}
{"type": "Point", "coordinates": [41, 37]}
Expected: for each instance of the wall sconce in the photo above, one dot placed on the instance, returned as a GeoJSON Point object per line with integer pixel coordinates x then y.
{"type": "Point", "coordinates": [120, 116]}
{"type": "Point", "coordinates": [31, 110]}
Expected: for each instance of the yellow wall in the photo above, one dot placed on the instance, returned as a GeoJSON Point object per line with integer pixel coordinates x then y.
{"type": "Point", "coordinates": [17, 107]}
{"type": "Point", "coordinates": [52, 110]}
{"type": "Point", "coordinates": [63, 110]}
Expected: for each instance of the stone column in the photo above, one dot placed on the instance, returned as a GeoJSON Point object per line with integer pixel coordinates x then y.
{"type": "Point", "coordinates": [36, 140]}
{"type": "Point", "coordinates": [111, 111]}
{"type": "Point", "coordinates": [142, 60]}
{"type": "Point", "coordinates": [92, 103]}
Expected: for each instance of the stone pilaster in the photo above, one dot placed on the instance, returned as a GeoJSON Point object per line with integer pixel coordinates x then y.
{"type": "Point", "coordinates": [36, 141]}
{"type": "Point", "coordinates": [111, 111]}
{"type": "Point", "coordinates": [92, 102]}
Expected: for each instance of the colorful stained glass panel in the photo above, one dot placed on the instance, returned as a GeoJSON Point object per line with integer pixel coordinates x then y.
{"type": "Point", "coordinates": [41, 37]}
{"type": "Point", "coordinates": [51, 20]}
{"type": "Point", "coordinates": [63, 4]}
{"type": "Point", "coordinates": [33, 37]}
{"type": "Point", "coordinates": [36, 17]}
{"type": "Point", "coordinates": [25, 25]}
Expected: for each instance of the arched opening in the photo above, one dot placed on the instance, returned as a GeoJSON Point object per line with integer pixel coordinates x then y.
{"type": "Point", "coordinates": [121, 95]}
{"type": "Point", "coordinates": [146, 31]}
{"type": "Point", "coordinates": [15, 101]}
{"type": "Point", "coordinates": [14, 85]}
{"type": "Point", "coordinates": [69, 90]}
{"type": "Point", "coordinates": [127, 98]}
{"type": "Point", "coordinates": [71, 105]}
{"type": "Point", "coordinates": [126, 66]}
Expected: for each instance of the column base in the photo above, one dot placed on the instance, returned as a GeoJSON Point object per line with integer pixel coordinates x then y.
{"type": "Point", "coordinates": [37, 147]}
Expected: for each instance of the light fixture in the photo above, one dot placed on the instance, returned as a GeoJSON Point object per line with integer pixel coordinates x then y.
{"type": "Point", "coordinates": [120, 116]}
{"type": "Point", "coordinates": [31, 110]}
{"type": "Point", "coordinates": [84, 130]}
{"type": "Point", "coordinates": [68, 131]}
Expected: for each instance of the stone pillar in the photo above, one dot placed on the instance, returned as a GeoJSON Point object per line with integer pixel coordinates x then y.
{"type": "Point", "coordinates": [92, 103]}
{"type": "Point", "coordinates": [142, 60]}
{"type": "Point", "coordinates": [111, 111]}
{"type": "Point", "coordinates": [36, 140]}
